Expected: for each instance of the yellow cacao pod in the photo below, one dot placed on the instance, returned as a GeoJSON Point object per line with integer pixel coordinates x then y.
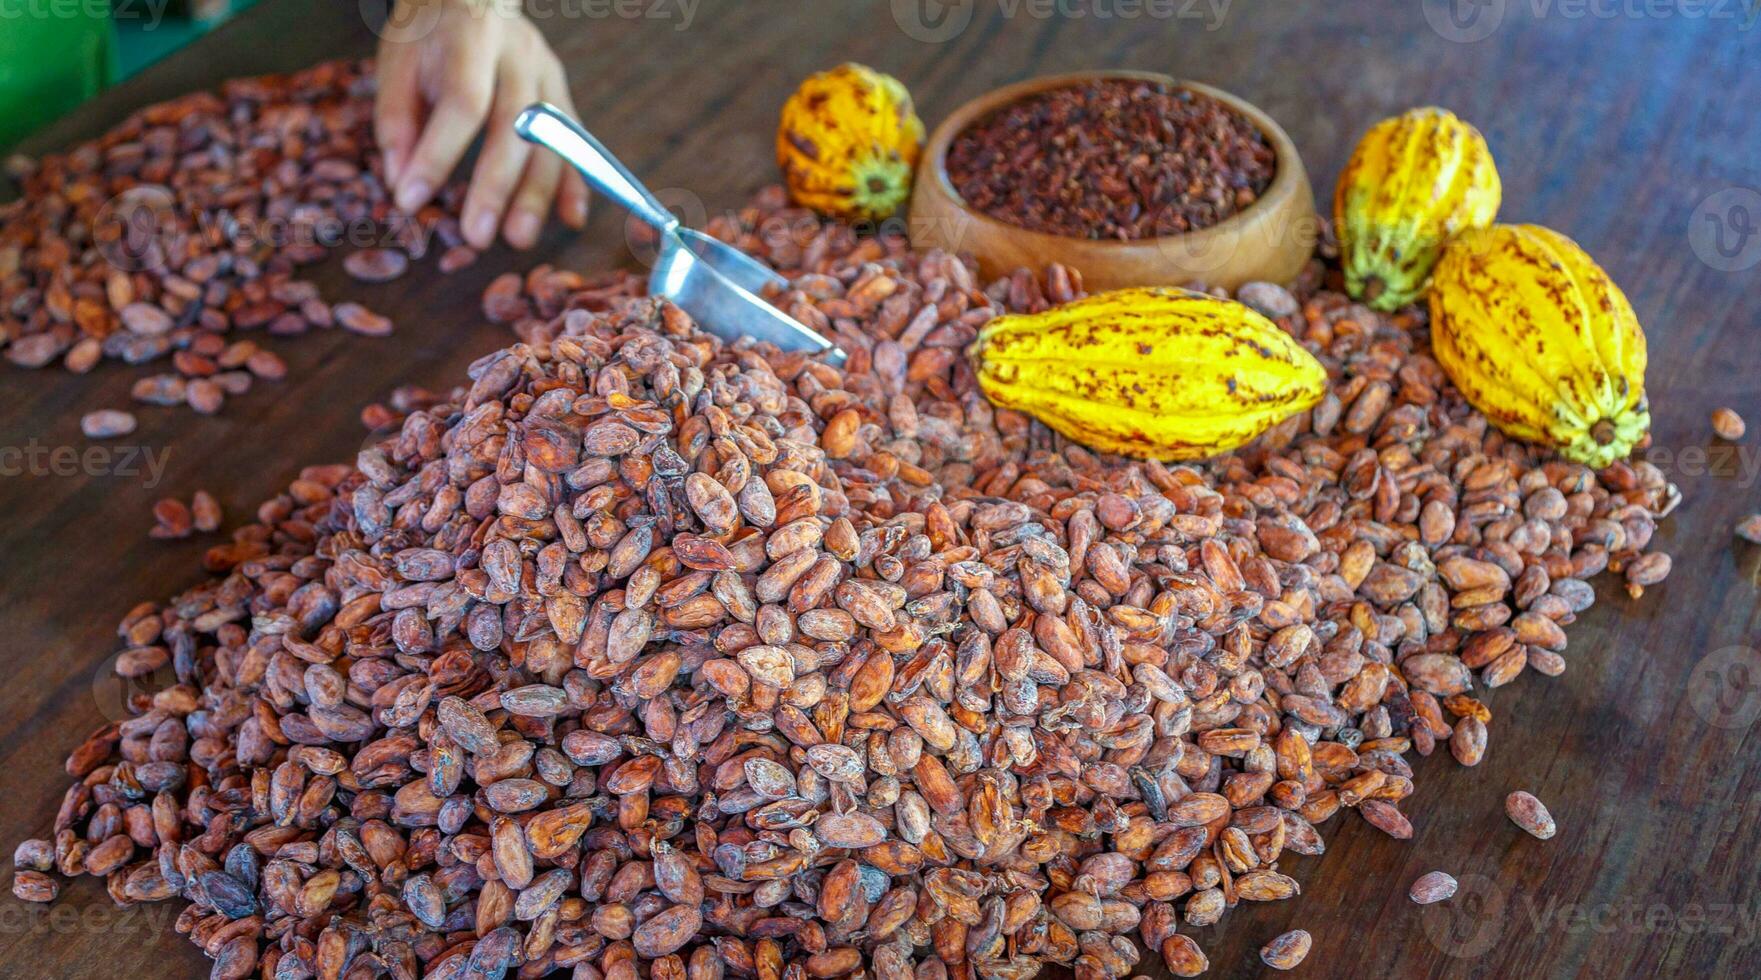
{"type": "Point", "coordinates": [848, 142]}
{"type": "Point", "coordinates": [1414, 182]}
{"type": "Point", "coordinates": [1159, 373]}
{"type": "Point", "coordinates": [1538, 338]}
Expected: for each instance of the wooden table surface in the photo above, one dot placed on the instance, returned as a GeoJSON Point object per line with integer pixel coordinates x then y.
{"type": "Point", "coordinates": [1628, 126]}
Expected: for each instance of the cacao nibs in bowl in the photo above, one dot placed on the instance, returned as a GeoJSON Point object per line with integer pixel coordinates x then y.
{"type": "Point", "coordinates": [645, 655]}
{"type": "Point", "coordinates": [1112, 159]}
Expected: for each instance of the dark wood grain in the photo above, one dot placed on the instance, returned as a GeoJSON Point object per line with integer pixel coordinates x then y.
{"type": "Point", "coordinates": [1612, 129]}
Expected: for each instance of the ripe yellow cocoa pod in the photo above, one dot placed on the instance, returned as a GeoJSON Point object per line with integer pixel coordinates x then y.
{"type": "Point", "coordinates": [1538, 338]}
{"type": "Point", "coordinates": [1414, 182]}
{"type": "Point", "coordinates": [848, 142]}
{"type": "Point", "coordinates": [1158, 373]}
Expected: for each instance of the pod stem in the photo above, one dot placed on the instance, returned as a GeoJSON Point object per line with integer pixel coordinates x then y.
{"type": "Point", "coordinates": [1373, 287]}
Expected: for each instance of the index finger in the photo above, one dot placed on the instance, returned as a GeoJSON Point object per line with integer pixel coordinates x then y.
{"type": "Point", "coordinates": [397, 108]}
{"type": "Point", "coordinates": [452, 125]}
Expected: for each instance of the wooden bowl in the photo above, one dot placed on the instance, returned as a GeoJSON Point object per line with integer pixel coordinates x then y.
{"type": "Point", "coordinates": [1271, 239]}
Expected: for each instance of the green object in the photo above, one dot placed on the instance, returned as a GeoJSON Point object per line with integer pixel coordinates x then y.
{"type": "Point", "coordinates": [54, 54]}
{"type": "Point", "coordinates": [143, 38]}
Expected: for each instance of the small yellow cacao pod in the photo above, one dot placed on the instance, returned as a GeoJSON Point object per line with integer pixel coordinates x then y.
{"type": "Point", "coordinates": [1159, 373]}
{"type": "Point", "coordinates": [1538, 338]}
{"type": "Point", "coordinates": [848, 142]}
{"type": "Point", "coordinates": [1414, 182]}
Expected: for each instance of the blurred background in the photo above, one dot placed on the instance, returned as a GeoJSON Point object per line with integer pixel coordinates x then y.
{"type": "Point", "coordinates": [49, 64]}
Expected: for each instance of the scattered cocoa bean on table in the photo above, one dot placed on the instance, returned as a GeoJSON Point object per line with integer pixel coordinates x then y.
{"type": "Point", "coordinates": [642, 651]}
{"type": "Point", "coordinates": [193, 220]}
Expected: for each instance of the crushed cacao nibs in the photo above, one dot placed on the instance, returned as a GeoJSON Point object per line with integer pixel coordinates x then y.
{"type": "Point", "coordinates": [1118, 158]}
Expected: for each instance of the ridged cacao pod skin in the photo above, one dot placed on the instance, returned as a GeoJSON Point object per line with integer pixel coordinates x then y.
{"type": "Point", "coordinates": [1156, 373]}
{"type": "Point", "coordinates": [1538, 338]}
{"type": "Point", "coordinates": [1414, 182]}
{"type": "Point", "coordinates": [848, 142]}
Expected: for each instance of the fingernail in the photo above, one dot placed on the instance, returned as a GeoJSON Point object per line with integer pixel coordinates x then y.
{"type": "Point", "coordinates": [414, 194]}
{"type": "Point", "coordinates": [480, 228]}
{"type": "Point", "coordinates": [578, 213]}
{"type": "Point", "coordinates": [523, 228]}
{"type": "Point", "coordinates": [394, 166]}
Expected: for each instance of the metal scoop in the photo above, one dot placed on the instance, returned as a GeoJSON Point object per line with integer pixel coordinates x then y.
{"type": "Point", "coordinates": [719, 285]}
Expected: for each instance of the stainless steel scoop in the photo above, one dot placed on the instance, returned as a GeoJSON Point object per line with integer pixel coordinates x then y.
{"type": "Point", "coordinates": [719, 285]}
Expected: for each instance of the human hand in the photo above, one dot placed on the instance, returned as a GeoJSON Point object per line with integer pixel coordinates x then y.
{"type": "Point", "coordinates": [479, 64]}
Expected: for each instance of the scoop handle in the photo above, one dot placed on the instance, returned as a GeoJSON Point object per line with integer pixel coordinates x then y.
{"type": "Point", "coordinates": [548, 126]}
